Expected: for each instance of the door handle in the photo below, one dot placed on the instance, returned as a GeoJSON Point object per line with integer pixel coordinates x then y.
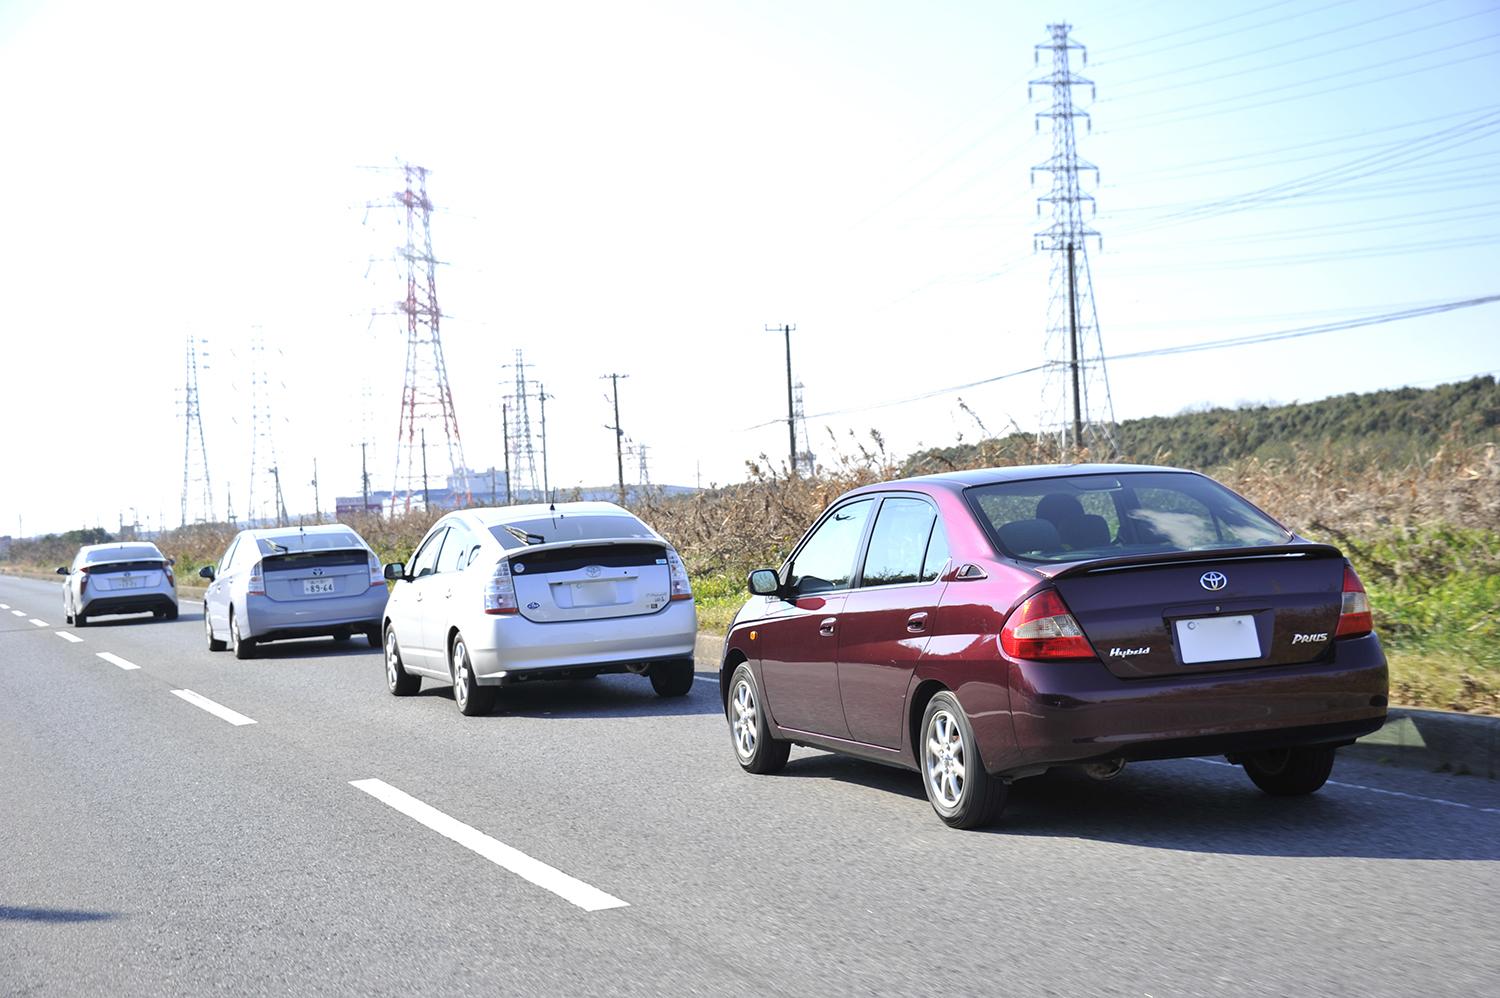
{"type": "Point", "coordinates": [826, 627]}
{"type": "Point", "coordinates": [419, 595]}
{"type": "Point", "coordinates": [448, 594]}
{"type": "Point", "coordinates": [916, 623]}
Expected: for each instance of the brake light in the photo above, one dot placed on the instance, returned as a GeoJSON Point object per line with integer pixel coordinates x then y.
{"type": "Point", "coordinates": [83, 578]}
{"type": "Point", "coordinates": [377, 571]}
{"type": "Point", "coordinates": [171, 579]}
{"type": "Point", "coordinates": [1354, 615]}
{"type": "Point", "coordinates": [680, 587]}
{"type": "Point", "coordinates": [1042, 628]}
{"type": "Point", "coordinates": [500, 592]}
{"type": "Point", "coordinates": [256, 584]}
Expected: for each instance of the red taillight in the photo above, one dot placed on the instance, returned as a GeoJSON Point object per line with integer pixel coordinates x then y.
{"type": "Point", "coordinates": [83, 578]}
{"type": "Point", "coordinates": [1042, 628]}
{"type": "Point", "coordinates": [256, 584]}
{"type": "Point", "coordinates": [1354, 614]}
{"type": "Point", "coordinates": [500, 592]}
{"type": "Point", "coordinates": [171, 579]}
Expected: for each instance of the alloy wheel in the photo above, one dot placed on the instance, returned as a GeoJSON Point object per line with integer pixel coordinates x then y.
{"type": "Point", "coordinates": [944, 758]}
{"type": "Point", "coordinates": [461, 676]}
{"type": "Point", "coordinates": [745, 720]}
{"type": "Point", "coordinates": [392, 657]}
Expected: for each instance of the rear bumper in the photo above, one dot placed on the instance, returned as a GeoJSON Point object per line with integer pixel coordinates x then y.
{"type": "Point", "coordinates": [134, 603]}
{"type": "Point", "coordinates": [513, 644]}
{"type": "Point", "coordinates": [1077, 712]}
{"type": "Point", "coordinates": [274, 620]}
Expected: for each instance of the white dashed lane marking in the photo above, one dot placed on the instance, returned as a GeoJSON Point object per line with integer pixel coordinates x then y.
{"type": "Point", "coordinates": [216, 709]}
{"type": "Point", "coordinates": [40, 623]}
{"type": "Point", "coordinates": [114, 659]}
{"type": "Point", "coordinates": [18, 613]}
{"type": "Point", "coordinates": [4, 606]}
{"type": "Point", "coordinates": [1387, 793]}
{"type": "Point", "coordinates": [68, 636]}
{"type": "Point", "coordinates": [568, 888]}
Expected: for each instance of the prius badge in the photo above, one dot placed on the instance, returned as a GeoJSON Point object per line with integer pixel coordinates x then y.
{"type": "Point", "coordinates": [1213, 581]}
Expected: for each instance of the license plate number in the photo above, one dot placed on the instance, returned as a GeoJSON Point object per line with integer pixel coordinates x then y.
{"type": "Point", "coordinates": [313, 587]}
{"type": "Point", "coordinates": [1217, 639]}
{"type": "Point", "coordinates": [130, 583]}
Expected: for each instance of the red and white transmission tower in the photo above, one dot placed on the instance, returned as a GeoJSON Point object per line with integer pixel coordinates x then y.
{"type": "Point", "coordinates": [426, 398]}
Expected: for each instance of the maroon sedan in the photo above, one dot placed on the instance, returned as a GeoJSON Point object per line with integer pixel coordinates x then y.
{"type": "Point", "coordinates": [983, 626]}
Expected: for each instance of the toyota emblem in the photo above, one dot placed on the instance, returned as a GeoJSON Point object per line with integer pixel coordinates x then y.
{"type": "Point", "coordinates": [594, 571]}
{"type": "Point", "coordinates": [1213, 581]}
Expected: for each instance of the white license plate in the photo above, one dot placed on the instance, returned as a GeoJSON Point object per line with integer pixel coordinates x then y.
{"type": "Point", "coordinates": [1217, 639]}
{"type": "Point", "coordinates": [135, 582]}
{"type": "Point", "coordinates": [313, 587]}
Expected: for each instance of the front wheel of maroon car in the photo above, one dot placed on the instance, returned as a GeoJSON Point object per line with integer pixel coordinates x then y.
{"type": "Point", "coordinates": [749, 731]}
{"type": "Point", "coordinates": [959, 788]}
{"type": "Point", "coordinates": [1290, 772]}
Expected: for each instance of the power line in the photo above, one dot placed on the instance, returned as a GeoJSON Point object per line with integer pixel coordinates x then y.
{"type": "Point", "coordinates": [1215, 22]}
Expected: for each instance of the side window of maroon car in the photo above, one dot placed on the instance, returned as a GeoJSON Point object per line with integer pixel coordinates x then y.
{"type": "Point", "coordinates": [826, 561]}
{"type": "Point", "coordinates": [906, 545]}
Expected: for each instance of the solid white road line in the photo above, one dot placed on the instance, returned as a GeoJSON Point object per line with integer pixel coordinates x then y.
{"type": "Point", "coordinates": [113, 659]}
{"type": "Point", "coordinates": [568, 888]}
{"type": "Point", "coordinates": [68, 636]}
{"type": "Point", "coordinates": [40, 623]}
{"type": "Point", "coordinates": [217, 709]}
{"type": "Point", "coordinates": [1388, 793]}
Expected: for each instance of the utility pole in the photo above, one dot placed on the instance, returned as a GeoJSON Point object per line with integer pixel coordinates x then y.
{"type": "Point", "coordinates": [317, 504]}
{"type": "Point", "coordinates": [426, 493]}
{"type": "Point", "coordinates": [505, 435]}
{"type": "Point", "coordinates": [196, 484]}
{"type": "Point", "coordinates": [1073, 349]}
{"type": "Point", "coordinates": [281, 517]}
{"type": "Point", "coordinates": [619, 433]}
{"type": "Point", "coordinates": [542, 397]}
{"type": "Point", "coordinates": [364, 477]}
{"type": "Point", "coordinates": [791, 414]}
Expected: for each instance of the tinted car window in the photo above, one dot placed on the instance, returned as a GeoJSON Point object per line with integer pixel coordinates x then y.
{"type": "Point", "coordinates": [228, 558]}
{"type": "Point", "coordinates": [424, 562]}
{"type": "Point", "coordinates": [899, 542]}
{"type": "Point", "coordinates": [282, 543]}
{"type": "Point", "coordinates": [937, 553]}
{"type": "Point", "coordinates": [1064, 519]}
{"type": "Point", "coordinates": [125, 552]}
{"type": "Point", "coordinates": [551, 529]}
{"type": "Point", "coordinates": [456, 549]}
{"type": "Point", "coordinates": [826, 561]}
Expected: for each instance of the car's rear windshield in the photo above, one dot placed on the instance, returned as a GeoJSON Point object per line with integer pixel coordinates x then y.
{"type": "Point", "coordinates": [125, 552]}
{"type": "Point", "coordinates": [582, 527]}
{"type": "Point", "coordinates": [1103, 516]}
{"type": "Point", "coordinates": [283, 543]}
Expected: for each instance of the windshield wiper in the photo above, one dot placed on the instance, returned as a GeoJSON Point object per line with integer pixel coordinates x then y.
{"type": "Point", "coordinates": [524, 537]}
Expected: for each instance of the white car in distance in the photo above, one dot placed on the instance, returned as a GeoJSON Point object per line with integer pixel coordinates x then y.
{"type": "Point", "coordinates": [561, 591]}
{"type": "Point", "coordinates": [126, 577]}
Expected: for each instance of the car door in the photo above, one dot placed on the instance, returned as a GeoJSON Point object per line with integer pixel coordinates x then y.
{"type": "Point", "coordinates": [799, 637]}
{"type": "Point", "coordinates": [886, 619]}
{"type": "Point", "coordinates": [421, 599]}
{"type": "Point", "coordinates": [216, 597]}
{"type": "Point", "coordinates": [441, 592]}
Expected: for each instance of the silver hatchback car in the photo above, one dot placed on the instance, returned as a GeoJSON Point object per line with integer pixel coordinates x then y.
{"type": "Point", "coordinates": [130, 577]}
{"type": "Point", "coordinates": [293, 582]}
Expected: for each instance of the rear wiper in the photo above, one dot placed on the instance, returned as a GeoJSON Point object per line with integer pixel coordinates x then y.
{"type": "Point", "coordinates": [279, 548]}
{"type": "Point", "coordinates": [524, 537]}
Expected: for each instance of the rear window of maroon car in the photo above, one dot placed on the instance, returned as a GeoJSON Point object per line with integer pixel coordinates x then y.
{"type": "Point", "coordinates": [1102, 516]}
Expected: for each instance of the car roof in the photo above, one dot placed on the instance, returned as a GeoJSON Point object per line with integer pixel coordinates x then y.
{"type": "Point", "coordinates": [317, 528]}
{"type": "Point", "coordinates": [960, 480]}
{"type": "Point", "coordinates": [136, 548]}
{"type": "Point", "coordinates": [494, 516]}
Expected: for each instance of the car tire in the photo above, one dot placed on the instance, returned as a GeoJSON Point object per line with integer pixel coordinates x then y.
{"type": "Point", "coordinates": [473, 700]}
{"type": "Point", "coordinates": [961, 791]}
{"type": "Point", "coordinates": [79, 620]}
{"type": "Point", "coordinates": [398, 681]}
{"type": "Point", "coordinates": [171, 614]}
{"type": "Point", "coordinates": [372, 635]}
{"type": "Point", "coordinates": [749, 731]}
{"type": "Point", "coordinates": [1290, 772]}
{"type": "Point", "coordinates": [67, 613]}
{"type": "Point", "coordinates": [243, 647]}
{"type": "Point", "coordinates": [672, 679]}
{"type": "Point", "coordinates": [214, 644]}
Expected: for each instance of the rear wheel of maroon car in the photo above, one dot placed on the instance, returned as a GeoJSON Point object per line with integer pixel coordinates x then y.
{"type": "Point", "coordinates": [754, 747]}
{"type": "Point", "coordinates": [962, 793]}
{"type": "Point", "coordinates": [1290, 772]}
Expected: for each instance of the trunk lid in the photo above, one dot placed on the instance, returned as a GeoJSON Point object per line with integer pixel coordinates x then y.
{"type": "Point", "coordinates": [591, 581]}
{"type": "Point", "coordinates": [1198, 612]}
{"type": "Point", "coordinates": [313, 575]}
{"type": "Point", "coordinates": [125, 575]}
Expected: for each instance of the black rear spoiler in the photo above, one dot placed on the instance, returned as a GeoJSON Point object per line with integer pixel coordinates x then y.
{"type": "Point", "coordinates": [1305, 549]}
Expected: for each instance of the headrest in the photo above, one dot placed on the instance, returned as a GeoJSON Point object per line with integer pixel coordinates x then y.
{"type": "Point", "coordinates": [1029, 536]}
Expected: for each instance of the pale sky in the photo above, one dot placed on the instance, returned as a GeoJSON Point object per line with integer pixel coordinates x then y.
{"type": "Point", "coordinates": [642, 187]}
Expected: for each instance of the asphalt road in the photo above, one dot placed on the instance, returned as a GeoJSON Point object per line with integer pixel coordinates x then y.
{"type": "Point", "coordinates": [590, 838]}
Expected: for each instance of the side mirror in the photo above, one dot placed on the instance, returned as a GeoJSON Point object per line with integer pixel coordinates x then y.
{"type": "Point", "coordinates": [395, 571]}
{"type": "Point", "coordinates": [63, 571]}
{"type": "Point", "coordinates": [765, 582]}
{"type": "Point", "coordinates": [206, 572]}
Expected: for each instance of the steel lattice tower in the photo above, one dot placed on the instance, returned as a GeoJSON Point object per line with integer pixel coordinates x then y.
{"type": "Point", "coordinates": [1076, 409]}
{"type": "Point", "coordinates": [263, 469]}
{"type": "Point", "coordinates": [195, 479]}
{"type": "Point", "coordinates": [426, 397]}
{"type": "Point", "coordinates": [522, 440]}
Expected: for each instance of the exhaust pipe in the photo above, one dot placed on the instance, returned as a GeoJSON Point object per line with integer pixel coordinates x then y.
{"type": "Point", "coordinates": [1106, 770]}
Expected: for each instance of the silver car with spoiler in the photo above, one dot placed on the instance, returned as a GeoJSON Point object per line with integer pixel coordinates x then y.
{"type": "Point", "coordinates": [569, 590]}
{"type": "Point", "coordinates": [129, 577]}
{"type": "Point", "coordinates": [275, 583]}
